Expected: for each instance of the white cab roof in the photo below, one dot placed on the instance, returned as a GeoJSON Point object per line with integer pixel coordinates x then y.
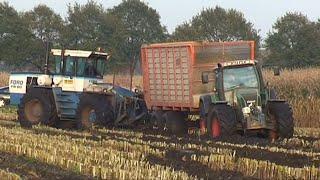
{"type": "Point", "coordinates": [77, 53]}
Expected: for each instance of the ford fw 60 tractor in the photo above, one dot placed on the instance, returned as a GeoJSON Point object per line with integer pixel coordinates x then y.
{"type": "Point", "coordinates": [74, 92]}
{"type": "Point", "coordinates": [217, 84]}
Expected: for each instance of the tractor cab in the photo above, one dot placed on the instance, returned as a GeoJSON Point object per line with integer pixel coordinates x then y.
{"type": "Point", "coordinates": [240, 82]}
{"type": "Point", "coordinates": [74, 70]}
{"type": "Point", "coordinates": [241, 85]}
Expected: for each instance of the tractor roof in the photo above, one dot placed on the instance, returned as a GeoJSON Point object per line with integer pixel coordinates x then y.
{"type": "Point", "coordinates": [238, 62]}
{"type": "Point", "coordinates": [78, 53]}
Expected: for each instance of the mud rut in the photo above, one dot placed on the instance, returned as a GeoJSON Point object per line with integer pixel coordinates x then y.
{"type": "Point", "coordinates": [181, 159]}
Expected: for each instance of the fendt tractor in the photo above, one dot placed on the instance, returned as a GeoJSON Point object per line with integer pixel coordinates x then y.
{"type": "Point", "coordinates": [217, 84]}
{"type": "Point", "coordinates": [74, 92]}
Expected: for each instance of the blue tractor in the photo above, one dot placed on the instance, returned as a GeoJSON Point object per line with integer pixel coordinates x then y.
{"type": "Point", "coordinates": [74, 91]}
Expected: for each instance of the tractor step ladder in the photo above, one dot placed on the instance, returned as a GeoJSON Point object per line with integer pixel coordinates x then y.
{"type": "Point", "coordinates": [66, 104]}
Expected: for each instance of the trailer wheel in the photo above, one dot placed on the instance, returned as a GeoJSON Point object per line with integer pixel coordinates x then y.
{"type": "Point", "coordinates": [221, 120]}
{"type": "Point", "coordinates": [175, 123]}
{"type": "Point", "coordinates": [157, 120]}
{"type": "Point", "coordinates": [37, 107]}
{"type": "Point", "coordinates": [282, 118]}
{"type": "Point", "coordinates": [94, 110]}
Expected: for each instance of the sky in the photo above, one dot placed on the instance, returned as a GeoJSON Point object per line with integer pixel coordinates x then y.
{"type": "Point", "coordinates": [262, 13]}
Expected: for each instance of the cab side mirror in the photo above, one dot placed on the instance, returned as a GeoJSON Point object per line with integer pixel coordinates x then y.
{"type": "Point", "coordinates": [276, 71]}
{"type": "Point", "coordinates": [205, 78]}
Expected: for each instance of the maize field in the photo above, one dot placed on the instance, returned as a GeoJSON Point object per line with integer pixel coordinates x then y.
{"type": "Point", "coordinates": [46, 153]}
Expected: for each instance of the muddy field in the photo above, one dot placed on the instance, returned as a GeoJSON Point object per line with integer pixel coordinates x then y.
{"type": "Point", "coordinates": [43, 152]}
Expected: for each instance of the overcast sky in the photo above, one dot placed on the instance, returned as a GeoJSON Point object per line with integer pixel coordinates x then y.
{"type": "Point", "coordinates": [262, 13]}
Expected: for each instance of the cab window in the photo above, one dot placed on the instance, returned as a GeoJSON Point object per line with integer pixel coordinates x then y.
{"type": "Point", "coordinates": [69, 66]}
{"type": "Point", "coordinates": [90, 67]}
{"type": "Point", "coordinates": [101, 66]}
{"type": "Point", "coordinates": [58, 65]}
{"type": "Point", "coordinates": [81, 66]}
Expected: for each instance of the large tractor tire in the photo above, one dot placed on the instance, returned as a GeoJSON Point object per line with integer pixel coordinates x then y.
{"type": "Point", "coordinates": [94, 110]}
{"type": "Point", "coordinates": [176, 123]}
{"type": "Point", "coordinates": [221, 121]}
{"type": "Point", "coordinates": [37, 107]}
{"type": "Point", "coordinates": [282, 118]}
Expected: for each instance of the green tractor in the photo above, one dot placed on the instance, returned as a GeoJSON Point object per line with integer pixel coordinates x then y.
{"type": "Point", "coordinates": [242, 102]}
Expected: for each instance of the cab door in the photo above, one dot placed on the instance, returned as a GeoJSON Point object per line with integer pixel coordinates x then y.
{"type": "Point", "coordinates": [69, 66]}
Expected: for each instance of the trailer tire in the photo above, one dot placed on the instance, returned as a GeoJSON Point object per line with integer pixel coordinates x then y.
{"type": "Point", "coordinates": [37, 107]}
{"type": "Point", "coordinates": [221, 121]}
{"type": "Point", "coordinates": [94, 109]}
{"type": "Point", "coordinates": [157, 120]}
{"type": "Point", "coordinates": [282, 117]}
{"type": "Point", "coordinates": [175, 123]}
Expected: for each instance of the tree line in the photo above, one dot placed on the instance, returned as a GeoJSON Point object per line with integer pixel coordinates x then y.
{"type": "Point", "coordinates": [121, 30]}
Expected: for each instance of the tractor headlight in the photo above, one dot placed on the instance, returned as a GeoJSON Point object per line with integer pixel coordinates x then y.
{"type": "Point", "coordinates": [246, 110]}
{"type": "Point", "coordinates": [44, 80]}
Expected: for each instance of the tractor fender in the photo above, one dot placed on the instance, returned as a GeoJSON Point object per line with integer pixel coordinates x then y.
{"type": "Point", "coordinates": [206, 101]}
{"type": "Point", "coordinates": [276, 101]}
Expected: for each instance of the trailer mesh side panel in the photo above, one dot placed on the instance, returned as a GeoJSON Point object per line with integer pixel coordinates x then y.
{"type": "Point", "coordinates": [219, 52]}
{"type": "Point", "coordinates": [169, 76]}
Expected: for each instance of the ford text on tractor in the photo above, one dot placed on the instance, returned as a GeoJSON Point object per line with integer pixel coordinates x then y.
{"type": "Point", "coordinates": [74, 92]}
{"type": "Point", "coordinates": [217, 84]}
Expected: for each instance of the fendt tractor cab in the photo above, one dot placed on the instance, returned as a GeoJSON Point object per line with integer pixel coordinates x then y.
{"type": "Point", "coordinates": [219, 84]}
{"type": "Point", "coordinates": [243, 102]}
{"type": "Point", "coordinates": [73, 90]}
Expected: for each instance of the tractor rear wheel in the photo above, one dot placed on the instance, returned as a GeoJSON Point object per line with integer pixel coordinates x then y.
{"type": "Point", "coordinates": [282, 118]}
{"type": "Point", "coordinates": [221, 120]}
{"type": "Point", "coordinates": [94, 109]}
{"type": "Point", "coordinates": [37, 107]}
{"type": "Point", "coordinates": [175, 123]}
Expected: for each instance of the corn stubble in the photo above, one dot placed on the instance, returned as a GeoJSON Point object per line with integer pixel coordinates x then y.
{"type": "Point", "coordinates": [126, 154]}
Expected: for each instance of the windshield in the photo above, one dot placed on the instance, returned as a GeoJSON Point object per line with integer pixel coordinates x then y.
{"type": "Point", "coordinates": [92, 67]}
{"type": "Point", "coordinates": [239, 77]}
{"type": "Point", "coordinates": [80, 66]}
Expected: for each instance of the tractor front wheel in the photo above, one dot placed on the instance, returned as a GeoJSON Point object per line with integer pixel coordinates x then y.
{"type": "Point", "coordinates": [282, 118]}
{"type": "Point", "coordinates": [94, 110]}
{"type": "Point", "coordinates": [37, 107]}
{"type": "Point", "coordinates": [221, 120]}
